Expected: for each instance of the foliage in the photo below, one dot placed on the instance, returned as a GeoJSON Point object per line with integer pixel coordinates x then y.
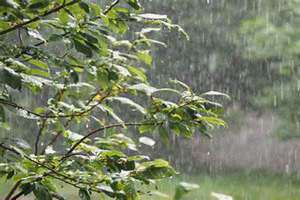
{"type": "Point", "coordinates": [248, 48]}
{"type": "Point", "coordinates": [213, 58]}
{"type": "Point", "coordinates": [90, 60]}
{"type": "Point", "coordinates": [276, 38]}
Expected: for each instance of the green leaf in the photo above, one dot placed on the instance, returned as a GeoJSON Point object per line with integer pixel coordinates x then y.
{"type": "Point", "coordinates": [16, 65]}
{"type": "Point", "coordinates": [110, 111]}
{"type": "Point", "coordinates": [122, 70]}
{"type": "Point", "coordinates": [73, 136]}
{"type": "Point", "coordinates": [9, 3]}
{"type": "Point", "coordinates": [39, 4]}
{"type": "Point", "coordinates": [156, 169]}
{"type": "Point", "coordinates": [151, 16]}
{"type": "Point", "coordinates": [83, 48]}
{"type": "Point", "coordinates": [147, 141]}
{"type": "Point", "coordinates": [79, 90]}
{"type": "Point", "coordinates": [63, 17]}
{"type": "Point", "coordinates": [213, 121]}
{"type": "Point", "coordinates": [134, 4]}
{"type": "Point", "coordinates": [84, 194]}
{"type": "Point", "coordinates": [77, 11]}
{"type": "Point", "coordinates": [84, 6]}
{"type": "Point", "coordinates": [149, 30]}
{"type": "Point", "coordinates": [183, 188]}
{"type": "Point", "coordinates": [38, 63]}
{"type": "Point", "coordinates": [180, 83]}
{"type": "Point", "coordinates": [39, 73]}
{"type": "Point", "coordinates": [163, 133]}
{"type": "Point", "coordinates": [41, 192]}
{"type": "Point", "coordinates": [138, 73]}
{"type": "Point", "coordinates": [215, 93]}
{"type": "Point", "coordinates": [149, 90]}
{"type": "Point", "coordinates": [90, 38]}
{"type": "Point", "coordinates": [49, 184]}
{"type": "Point", "coordinates": [10, 77]}
{"type": "Point", "coordinates": [4, 25]}
{"type": "Point", "coordinates": [4, 126]}
{"type": "Point", "coordinates": [145, 57]}
{"type": "Point", "coordinates": [146, 128]}
{"type": "Point", "coordinates": [129, 102]}
{"type": "Point", "coordinates": [35, 80]}
{"type": "Point", "coordinates": [35, 34]}
{"type": "Point", "coordinates": [27, 188]}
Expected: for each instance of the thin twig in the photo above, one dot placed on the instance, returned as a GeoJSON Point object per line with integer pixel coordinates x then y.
{"type": "Point", "coordinates": [54, 139]}
{"type": "Point", "coordinates": [52, 172]}
{"type": "Point", "coordinates": [101, 129]}
{"type": "Point", "coordinates": [39, 17]}
{"type": "Point", "coordinates": [75, 114]}
{"type": "Point", "coordinates": [20, 37]}
{"type": "Point", "coordinates": [13, 190]}
{"type": "Point", "coordinates": [55, 174]}
{"type": "Point", "coordinates": [38, 137]}
{"type": "Point", "coordinates": [18, 195]}
{"type": "Point", "coordinates": [106, 11]}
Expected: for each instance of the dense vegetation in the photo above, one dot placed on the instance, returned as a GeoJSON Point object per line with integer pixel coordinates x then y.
{"type": "Point", "coordinates": [80, 65]}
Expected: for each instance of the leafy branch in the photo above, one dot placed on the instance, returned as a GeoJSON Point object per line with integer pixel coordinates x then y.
{"type": "Point", "coordinates": [57, 175]}
{"type": "Point", "coordinates": [39, 17]}
{"type": "Point", "coordinates": [75, 114]}
{"type": "Point", "coordinates": [104, 128]}
{"type": "Point", "coordinates": [98, 61]}
{"type": "Point", "coordinates": [105, 12]}
{"type": "Point", "coordinates": [52, 172]}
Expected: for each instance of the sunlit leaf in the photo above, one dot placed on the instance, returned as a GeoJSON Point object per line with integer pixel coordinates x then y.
{"type": "Point", "coordinates": [11, 78]}
{"type": "Point", "coordinates": [215, 93]}
{"type": "Point", "coordinates": [153, 16]}
{"type": "Point", "coordinates": [183, 188]}
{"type": "Point", "coordinates": [36, 34]}
{"type": "Point", "coordinates": [149, 90]}
{"type": "Point", "coordinates": [129, 102]}
{"type": "Point", "coordinates": [147, 141]}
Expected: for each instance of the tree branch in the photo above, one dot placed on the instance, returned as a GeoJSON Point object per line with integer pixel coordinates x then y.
{"type": "Point", "coordinates": [51, 172]}
{"type": "Point", "coordinates": [55, 174]}
{"type": "Point", "coordinates": [75, 114]}
{"type": "Point", "coordinates": [106, 11]}
{"type": "Point", "coordinates": [37, 18]}
{"type": "Point", "coordinates": [67, 33]}
{"type": "Point", "coordinates": [13, 190]}
{"type": "Point", "coordinates": [53, 140]}
{"type": "Point", "coordinates": [17, 195]}
{"type": "Point", "coordinates": [101, 129]}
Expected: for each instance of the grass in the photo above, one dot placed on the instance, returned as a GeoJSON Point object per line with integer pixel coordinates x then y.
{"type": "Point", "coordinates": [252, 186]}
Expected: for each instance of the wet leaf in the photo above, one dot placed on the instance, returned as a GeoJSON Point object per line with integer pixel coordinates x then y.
{"type": "Point", "coordinates": [84, 194]}
{"type": "Point", "coordinates": [147, 141]}
{"type": "Point", "coordinates": [129, 102]}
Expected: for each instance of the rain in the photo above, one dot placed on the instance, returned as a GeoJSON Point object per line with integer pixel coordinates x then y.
{"type": "Point", "coordinates": [242, 54]}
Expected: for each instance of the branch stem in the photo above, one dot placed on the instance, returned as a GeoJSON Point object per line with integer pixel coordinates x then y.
{"type": "Point", "coordinates": [13, 190]}
{"type": "Point", "coordinates": [39, 17]}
